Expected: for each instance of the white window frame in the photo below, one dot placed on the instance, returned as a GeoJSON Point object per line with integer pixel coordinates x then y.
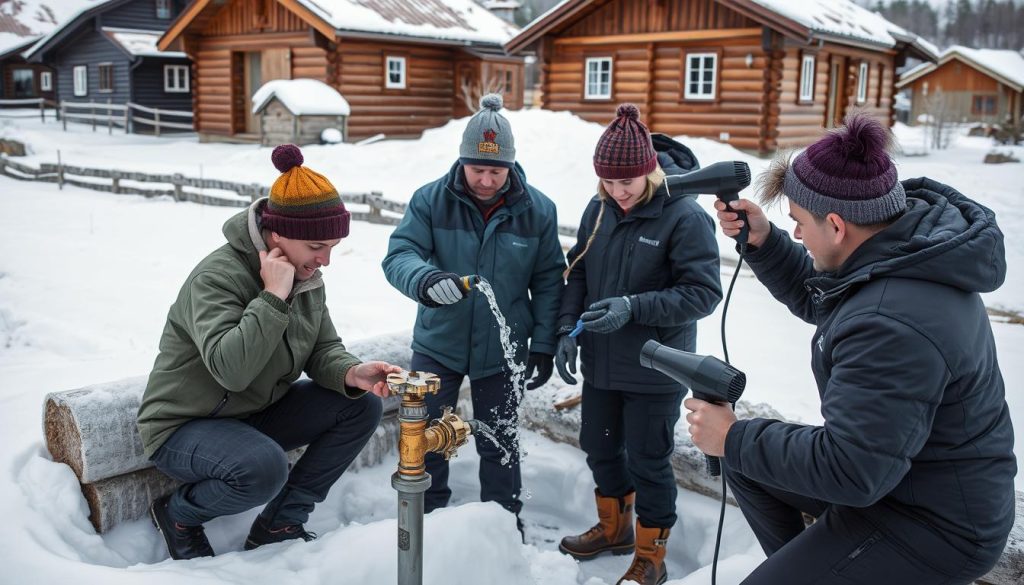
{"type": "Point", "coordinates": [808, 72]}
{"type": "Point", "coordinates": [700, 94]}
{"type": "Point", "coordinates": [595, 87]}
{"type": "Point", "coordinates": [80, 74]}
{"type": "Point", "coordinates": [163, 9]}
{"type": "Point", "coordinates": [176, 79]}
{"type": "Point", "coordinates": [99, 77]}
{"type": "Point", "coordinates": [400, 61]}
{"type": "Point", "coordinates": [45, 81]}
{"type": "Point", "coordinates": [862, 82]}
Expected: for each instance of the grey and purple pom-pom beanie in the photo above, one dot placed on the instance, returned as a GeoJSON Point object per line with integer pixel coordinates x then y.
{"type": "Point", "coordinates": [848, 172]}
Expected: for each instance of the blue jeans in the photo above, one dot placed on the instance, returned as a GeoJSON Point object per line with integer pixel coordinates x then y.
{"type": "Point", "coordinates": [231, 465]}
{"type": "Point", "coordinates": [494, 405]}
{"type": "Point", "coordinates": [629, 439]}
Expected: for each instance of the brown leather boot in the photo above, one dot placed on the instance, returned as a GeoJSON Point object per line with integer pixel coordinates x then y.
{"type": "Point", "coordinates": [612, 533]}
{"type": "Point", "coordinates": [648, 566]}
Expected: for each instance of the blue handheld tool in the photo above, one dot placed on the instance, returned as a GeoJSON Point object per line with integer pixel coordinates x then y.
{"type": "Point", "coordinates": [577, 330]}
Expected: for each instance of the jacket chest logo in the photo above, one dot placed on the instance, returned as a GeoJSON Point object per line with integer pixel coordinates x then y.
{"type": "Point", "coordinates": [821, 342]}
{"type": "Point", "coordinates": [650, 242]}
{"type": "Point", "coordinates": [489, 146]}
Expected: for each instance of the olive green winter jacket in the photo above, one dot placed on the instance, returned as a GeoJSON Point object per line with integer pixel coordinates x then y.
{"type": "Point", "coordinates": [230, 349]}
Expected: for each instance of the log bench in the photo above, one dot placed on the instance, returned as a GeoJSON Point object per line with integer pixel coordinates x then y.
{"type": "Point", "coordinates": [93, 431]}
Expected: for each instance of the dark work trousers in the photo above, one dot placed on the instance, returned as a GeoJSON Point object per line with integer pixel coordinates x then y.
{"type": "Point", "coordinates": [493, 404]}
{"type": "Point", "coordinates": [629, 438]}
{"type": "Point", "coordinates": [875, 545]}
{"type": "Point", "coordinates": [230, 465]}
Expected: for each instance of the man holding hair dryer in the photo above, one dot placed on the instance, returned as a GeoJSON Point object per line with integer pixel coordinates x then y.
{"type": "Point", "coordinates": [910, 477]}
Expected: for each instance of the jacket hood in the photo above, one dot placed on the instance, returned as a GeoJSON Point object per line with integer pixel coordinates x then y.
{"type": "Point", "coordinates": [943, 237]}
{"type": "Point", "coordinates": [243, 234]}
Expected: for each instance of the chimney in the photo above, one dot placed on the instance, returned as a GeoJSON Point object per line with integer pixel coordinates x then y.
{"type": "Point", "coordinates": [504, 9]}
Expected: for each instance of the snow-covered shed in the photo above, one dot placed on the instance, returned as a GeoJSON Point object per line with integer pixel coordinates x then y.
{"type": "Point", "coordinates": [298, 111]}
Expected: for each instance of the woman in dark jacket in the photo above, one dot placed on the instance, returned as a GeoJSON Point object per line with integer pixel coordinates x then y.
{"type": "Point", "coordinates": [645, 266]}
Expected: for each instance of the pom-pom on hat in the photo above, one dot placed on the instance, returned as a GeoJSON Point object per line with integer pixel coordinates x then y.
{"type": "Point", "coordinates": [488, 138]}
{"type": "Point", "coordinates": [625, 151]}
{"type": "Point", "coordinates": [303, 204]}
{"type": "Point", "coordinates": [848, 172]}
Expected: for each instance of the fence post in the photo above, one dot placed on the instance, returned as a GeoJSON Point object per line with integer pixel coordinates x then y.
{"type": "Point", "coordinates": [127, 116]}
{"type": "Point", "coordinates": [92, 111]}
{"type": "Point", "coordinates": [373, 199]}
{"type": "Point", "coordinates": [60, 172]}
{"type": "Point", "coordinates": [256, 191]}
{"type": "Point", "coordinates": [156, 120]}
{"type": "Point", "coordinates": [42, 111]}
{"type": "Point", "coordinates": [115, 182]}
{"type": "Point", "coordinates": [176, 180]}
{"type": "Point", "coordinates": [110, 118]}
{"type": "Point", "coordinates": [63, 116]}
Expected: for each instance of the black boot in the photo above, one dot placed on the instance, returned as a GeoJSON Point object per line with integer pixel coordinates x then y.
{"type": "Point", "coordinates": [261, 534]}
{"type": "Point", "coordinates": [183, 542]}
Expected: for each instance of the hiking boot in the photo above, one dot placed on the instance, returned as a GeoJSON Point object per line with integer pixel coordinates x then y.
{"type": "Point", "coordinates": [648, 566]}
{"type": "Point", "coordinates": [260, 534]}
{"type": "Point", "coordinates": [183, 542]}
{"type": "Point", "coordinates": [612, 533]}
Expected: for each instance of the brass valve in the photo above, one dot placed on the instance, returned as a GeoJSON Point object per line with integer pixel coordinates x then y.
{"type": "Point", "coordinates": [444, 435]}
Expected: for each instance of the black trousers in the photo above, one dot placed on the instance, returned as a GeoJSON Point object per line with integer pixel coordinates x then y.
{"type": "Point", "coordinates": [230, 465]}
{"type": "Point", "coordinates": [494, 404]}
{"type": "Point", "coordinates": [845, 545]}
{"type": "Point", "coordinates": [628, 438]}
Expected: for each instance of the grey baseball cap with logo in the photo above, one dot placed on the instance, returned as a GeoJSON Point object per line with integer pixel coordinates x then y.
{"type": "Point", "coordinates": [488, 138]}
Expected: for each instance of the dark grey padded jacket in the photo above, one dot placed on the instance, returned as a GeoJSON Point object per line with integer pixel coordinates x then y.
{"type": "Point", "coordinates": [917, 431]}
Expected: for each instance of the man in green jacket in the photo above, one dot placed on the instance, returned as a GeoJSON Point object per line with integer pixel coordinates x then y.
{"type": "Point", "coordinates": [223, 404]}
{"type": "Point", "coordinates": [482, 218]}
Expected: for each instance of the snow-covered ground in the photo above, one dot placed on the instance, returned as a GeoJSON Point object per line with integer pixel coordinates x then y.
{"type": "Point", "coordinates": [86, 279]}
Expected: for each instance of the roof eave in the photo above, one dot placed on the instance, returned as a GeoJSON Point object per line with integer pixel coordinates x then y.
{"type": "Point", "coordinates": [400, 38]}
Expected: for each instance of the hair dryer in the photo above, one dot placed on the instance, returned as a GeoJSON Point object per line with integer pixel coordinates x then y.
{"type": "Point", "coordinates": [723, 180]}
{"type": "Point", "coordinates": [708, 377]}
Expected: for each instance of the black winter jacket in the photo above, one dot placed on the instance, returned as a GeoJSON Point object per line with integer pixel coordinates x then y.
{"type": "Point", "coordinates": [663, 255]}
{"type": "Point", "coordinates": [917, 431]}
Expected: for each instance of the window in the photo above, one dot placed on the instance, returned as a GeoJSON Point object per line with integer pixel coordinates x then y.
{"type": "Point", "coordinates": [983, 105]}
{"type": "Point", "coordinates": [700, 76]}
{"type": "Point", "coordinates": [24, 83]}
{"type": "Point", "coordinates": [862, 83]}
{"type": "Point", "coordinates": [599, 78]}
{"type": "Point", "coordinates": [46, 81]}
{"type": "Point", "coordinates": [106, 77]}
{"type": "Point", "coordinates": [395, 73]}
{"type": "Point", "coordinates": [508, 83]}
{"type": "Point", "coordinates": [81, 76]}
{"type": "Point", "coordinates": [176, 78]}
{"type": "Point", "coordinates": [807, 78]}
{"type": "Point", "coordinates": [163, 9]}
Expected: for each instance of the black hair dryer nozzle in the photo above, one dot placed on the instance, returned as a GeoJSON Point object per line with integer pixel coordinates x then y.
{"type": "Point", "coordinates": [724, 180]}
{"type": "Point", "coordinates": [708, 377]}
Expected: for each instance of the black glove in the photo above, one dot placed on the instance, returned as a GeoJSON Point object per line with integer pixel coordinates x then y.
{"type": "Point", "coordinates": [608, 315]}
{"type": "Point", "coordinates": [565, 357]}
{"type": "Point", "coordinates": [440, 288]}
{"type": "Point", "coordinates": [541, 363]}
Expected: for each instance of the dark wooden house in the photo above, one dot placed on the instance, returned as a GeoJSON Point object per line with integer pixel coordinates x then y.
{"type": "Point", "coordinates": [757, 74]}
{"type": "Point", "coordinates": [108, 53]}
{"type": "Point", "coordinates": [402, 66]}
{"type": "Point", "coordinates": [974, 85]}
{"type": "Point", "coordinates": [20, 79]}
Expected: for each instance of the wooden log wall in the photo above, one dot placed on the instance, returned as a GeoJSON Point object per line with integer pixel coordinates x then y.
{"type": "Point", "coordinates": [426, 101]}
{"type": "Point", "coordinates": [619, 17]}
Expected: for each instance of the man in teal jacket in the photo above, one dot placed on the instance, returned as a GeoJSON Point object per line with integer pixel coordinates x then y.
{"type": "Point", "coordinates": [481, 218]}
{"type": "Point", "coordinates": [223, 404]}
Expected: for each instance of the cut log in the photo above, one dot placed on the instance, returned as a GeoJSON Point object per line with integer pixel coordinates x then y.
{"type": "Point", "coordinates": [93, 429]}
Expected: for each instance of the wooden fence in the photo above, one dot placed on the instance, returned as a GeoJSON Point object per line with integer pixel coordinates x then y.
{"type": "Point", "coordinates": [42, 103]}
{"type": "Point", "coordinates": [127, 116]}
{"type": "Point", "coordinates": [182, 188]}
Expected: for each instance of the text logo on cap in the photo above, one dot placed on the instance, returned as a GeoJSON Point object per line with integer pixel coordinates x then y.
{"type": "Point", "coordinates": [489, 145]}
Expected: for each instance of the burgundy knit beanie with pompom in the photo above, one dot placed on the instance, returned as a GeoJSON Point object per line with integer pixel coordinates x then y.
{"type": "Point", "coordinates": [625, 151]}
{"type": "Point", "coordinates": [848, 172]}
{"type": "Point", "coordinates": [303, 204]}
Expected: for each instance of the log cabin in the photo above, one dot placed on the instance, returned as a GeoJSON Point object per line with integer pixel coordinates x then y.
{"type": "Point", "coordinates": [973, 85]}
{"type": "Point", "coordinates": [757, 74]}
{"type": "Point", "coordinates": [403, 67]}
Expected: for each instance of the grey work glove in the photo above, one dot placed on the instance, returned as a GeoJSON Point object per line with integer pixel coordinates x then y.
{"type": "Point", "coordinates": [440, 288]}
{"type": "Point", "coordinates": [565, 358]}
{"type": "Point", "coordinates": [608, 315]}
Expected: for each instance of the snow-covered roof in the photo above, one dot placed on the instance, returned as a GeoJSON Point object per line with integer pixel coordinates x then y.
{"type": "Point", "coordinates": [81, 7]}
{"type": "Point", "coordinates": [141, 43]}
{"type": "Point", "coordinates": [1006, 66]}
{"type": "Point", "coordinates": [837, 19]}
{"type": "Point", "coordinates": [22, 20]}
{"type": "Point", "coordinates": [302, 97]}
{"type": "Point", "coordinates": [449, 20]}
